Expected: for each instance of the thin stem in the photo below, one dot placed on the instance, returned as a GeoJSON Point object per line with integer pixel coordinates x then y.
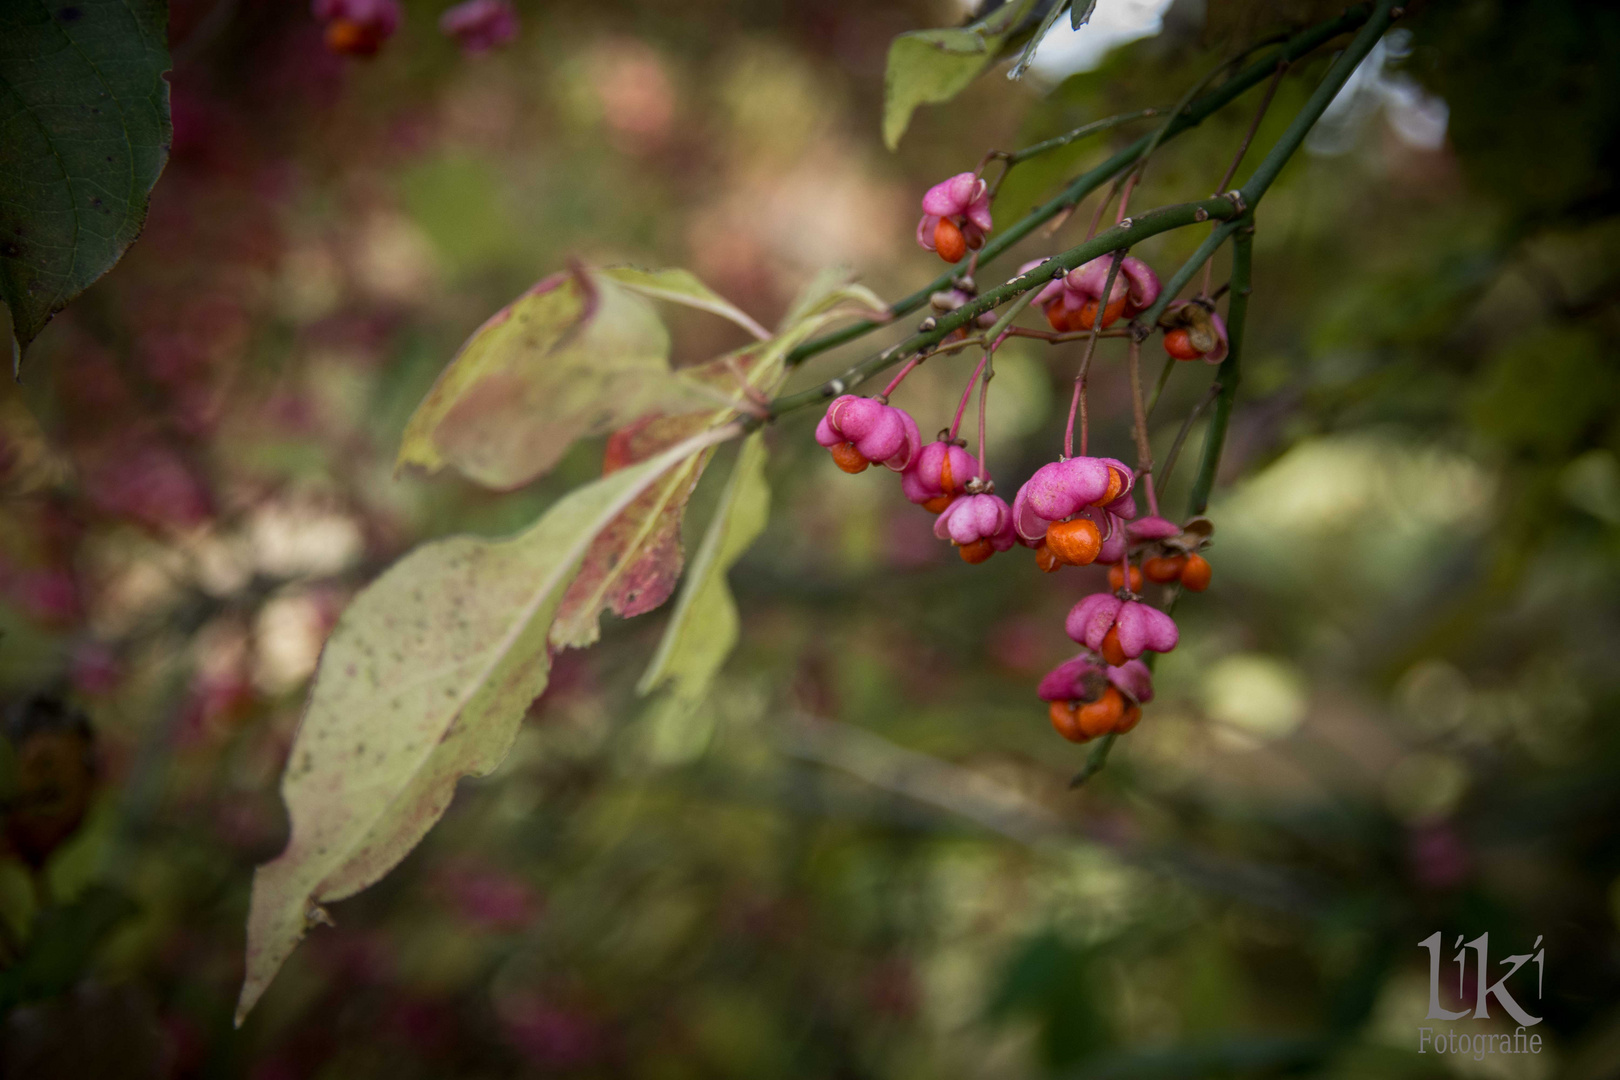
{"type": "Point", "coordinates": [1186, 426]}
{"type": "Point", "coordinates": [989, 366]}
{"type": "Point", "coordinates": [1011, 160]}
{"type": "Point", "coordinates": [1077, 404]}
{"type": "Point", "coordinates": [1052, 337]}
{"type": "Point", "coordinates": [1254, 125]}
{"type": "Point", "coordinates": [1099, 757]}
{"type": "Point", "coordinates": [1229, 374]}
{"type": "Point", "coordinates": [1302, 44]}
{"type": "Point", "coordinates": [967, 395]}
{"type": "Point", "coordinates": [1144, 448]}
{"type": "Point", "coordinates": [1096, 218]}
{"type": "Point", "coordinates": [1018, 157]}
{"type": "Point", "coordinates": [1125, 195]}
{"type": "Point", "coordinates": [904, 371]}
{"type": "Point", "coordinates": [1158, 387]}
{"type": "Point", "coordinates": [1243, 148]}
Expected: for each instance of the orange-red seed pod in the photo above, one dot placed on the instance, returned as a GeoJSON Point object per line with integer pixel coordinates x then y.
{"type": "Point", "coordinates": [1116, 578]}
{"type": "Point", "coordinates": [1164, 568]}
{"type": "Point", "coordinates": [1064, 721]}
{"type": "Point", "coordinates": [1075, 542]}
{"type": "Point", "coordinates": [976, 552]}
{"type": "Point", "coordinates": [1195, 575]}
{"type": "Point", "coordinates": [1088, 314]}
{"type": "Point", "coordinates": [949, 241]}
{"type": "Point", "coordinates": [1178, 343]}
{"type": "Point", "coordinates": [1046, 558]}
{"type": "Point", "coordinates": [1111, 649]}
{"type": "Point", "coordinates": [848, 458]}
{"type": "Point", "coordinates": [1099, 717]}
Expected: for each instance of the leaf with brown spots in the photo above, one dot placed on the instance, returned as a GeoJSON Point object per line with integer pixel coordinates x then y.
{"type": "Point", "coordinates": [576, 355]}
{"type": "Point", "coordinates": [424, 680]}
{"type": "Point", "coordinates": [579, 354]}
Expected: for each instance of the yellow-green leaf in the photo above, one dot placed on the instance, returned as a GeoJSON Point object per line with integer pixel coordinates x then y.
{"type": "Point", "coordinates": [831, 290]}
{"type": "Point", "coordinates": [683, 287]}
{"type": "Point", "coordinates": [424, 681]}
{"type": "Point", "coordinates": [702, 630]}
{"type": "Point", "coordinates": [927, 67]}
{"type": "Point", "coordinates": [577, 355]}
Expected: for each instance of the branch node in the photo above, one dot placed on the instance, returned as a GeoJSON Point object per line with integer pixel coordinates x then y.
{"type": "Point", "coordinates": [926, 325]}
{"type": "Point", "coordinates": [1236, 199]}
{"type": "Point", "coordinates": [1200, 214]}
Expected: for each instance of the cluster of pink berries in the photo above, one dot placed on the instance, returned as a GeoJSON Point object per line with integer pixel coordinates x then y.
{"type": "Point", "coordinates": [1075, 511]}
{"type": "Point", "coordinates": [359, 27]}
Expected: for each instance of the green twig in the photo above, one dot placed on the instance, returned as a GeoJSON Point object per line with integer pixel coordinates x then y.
{"type": "Point", "coordinates": [1094, 764]}
{"type": "Point", "coordinates": [1123, 235]}
{"type": "Point", "coordinates": [1251, 75]}
{"type": "Point", "coordinates": [1017, 157]}
{"type": "Point", "coordinates": [1383, 14]}
{"type": "Point", "coordinates": [1228, 375]}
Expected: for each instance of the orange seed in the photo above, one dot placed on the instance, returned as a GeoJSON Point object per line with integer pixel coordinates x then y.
{"type": "Point", "coordinates": [1116, 578]}
{"type": "Point", "coordinates": [1178, 343]}
{"type": "Point", "coordinates": [1088, 314]}
{"type": "Point", "coordinates": [1111, 649]}
{"type": "Point", "coordinates": [1099, 717]}
{"type": "Point", "coordinates": [1075, 542]}
{"type": "Point", "coordinates": [1195, 575]}
{"type": "Point", "coordinates": [949, 241]}
{"type": "Point", "coordinates": [848, 458]}
{"type": "Point", "coordinates": [976, 552]}
{"type": "Point", "coordinates": [1064, 723]}
{"type": "Point", "coordinates": [1163, 568]}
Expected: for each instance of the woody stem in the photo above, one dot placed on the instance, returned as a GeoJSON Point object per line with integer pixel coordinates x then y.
{"type": "Point", "coordinates": [1229, 374]}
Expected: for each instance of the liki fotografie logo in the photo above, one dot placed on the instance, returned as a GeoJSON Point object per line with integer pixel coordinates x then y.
{"type": "Point", "coordinates": [1459, 1040]}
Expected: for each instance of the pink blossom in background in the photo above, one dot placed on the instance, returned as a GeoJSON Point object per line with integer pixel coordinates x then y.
{"type": "Point", "coordinates": [480, 25]}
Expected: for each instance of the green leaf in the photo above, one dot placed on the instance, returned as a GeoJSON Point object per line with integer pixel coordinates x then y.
{"type": "Point", "coordinates": [84, 133]}
{"type": "Point", "coordinates": [927, 67]}
{"type": "Point", "coordinates": [832, 291]}
{"type": "Point", "coordinates": [1034, 42]}
{"type": "Point", "coordinates": [683, 287]}
{"type": "Point", "coordinates": [424, 680]}
{"type": "Point", "coordinates": [702, 630]}
{"type": "Point", "coordinates": [1080, 14]}
{"type": "Point", "coordinates": [575, 356]}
